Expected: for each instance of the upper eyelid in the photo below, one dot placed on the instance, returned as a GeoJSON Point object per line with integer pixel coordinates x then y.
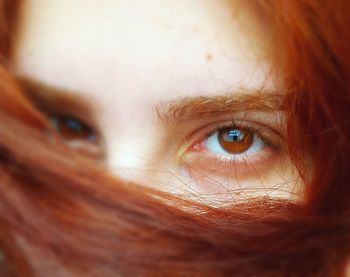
{"type": "Point", "coordinates": [52, 102]}
{"type": "Point", "coordinates": [240, 122]}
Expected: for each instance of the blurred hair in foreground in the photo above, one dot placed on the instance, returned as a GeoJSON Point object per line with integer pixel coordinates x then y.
{"type": "Point", "coordinates": [61, 215]}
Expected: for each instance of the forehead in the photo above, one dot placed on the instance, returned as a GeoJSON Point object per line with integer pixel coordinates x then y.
{"type": "Point", "coordinates": [137, 51]}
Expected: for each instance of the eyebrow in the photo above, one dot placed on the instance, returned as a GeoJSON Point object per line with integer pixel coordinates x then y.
{"type": "Point", "coordinates": [169, 113]}
{"type": "Point", "coordinates": [194, 108]}
{"type": "Point", "coordinates": [50, 99]}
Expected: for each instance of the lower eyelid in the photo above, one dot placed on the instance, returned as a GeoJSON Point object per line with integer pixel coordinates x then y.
{"type": "Point", "coordinates": [207, 170]}
{"type": "Point", "coordinates": [200, 152]}
{"type": "Point", "coordinates": [93, 151]}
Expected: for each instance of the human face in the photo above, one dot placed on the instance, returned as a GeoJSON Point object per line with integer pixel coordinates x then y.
{"type": "Point", "coordinates": [176, 94]}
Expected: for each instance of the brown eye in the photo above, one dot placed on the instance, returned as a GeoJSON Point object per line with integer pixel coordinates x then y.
{"type": "Point", "coordinates": [235, 140]}
{"type": "Point", "coordinates": [73, 129]}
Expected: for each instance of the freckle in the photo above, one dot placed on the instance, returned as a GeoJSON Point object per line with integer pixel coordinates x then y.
{"type": "Point", "coordinates": [209, 57]}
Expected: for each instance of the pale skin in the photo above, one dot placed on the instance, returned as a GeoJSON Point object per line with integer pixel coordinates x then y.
{"type": "Point", "coordinates": [128, 61]}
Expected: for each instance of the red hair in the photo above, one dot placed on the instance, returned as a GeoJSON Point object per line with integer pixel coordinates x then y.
{"type": "Point", "coordinates": [62, 215]}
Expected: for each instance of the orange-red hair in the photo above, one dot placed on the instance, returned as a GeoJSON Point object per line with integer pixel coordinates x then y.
{"type": "Point", "coordinates": [61, 215]}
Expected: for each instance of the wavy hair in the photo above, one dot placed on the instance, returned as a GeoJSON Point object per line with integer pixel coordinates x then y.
{"type": "Point", "coordinates": [61, 215]}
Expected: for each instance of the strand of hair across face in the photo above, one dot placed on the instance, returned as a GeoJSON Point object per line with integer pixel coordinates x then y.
{"type": "Point", "coordinates": [61, 215]}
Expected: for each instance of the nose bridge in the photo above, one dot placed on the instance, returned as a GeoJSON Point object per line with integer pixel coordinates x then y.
{"type": "Point", "coordinates": [145, 161]}
{"type": "Point", "coordinates": [130, 154]}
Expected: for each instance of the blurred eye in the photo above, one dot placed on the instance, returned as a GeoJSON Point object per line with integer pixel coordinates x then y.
{"type": "Point", "coordinates": [71, 129]}
{"type": "Point", "coordinates": [233, 141]}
